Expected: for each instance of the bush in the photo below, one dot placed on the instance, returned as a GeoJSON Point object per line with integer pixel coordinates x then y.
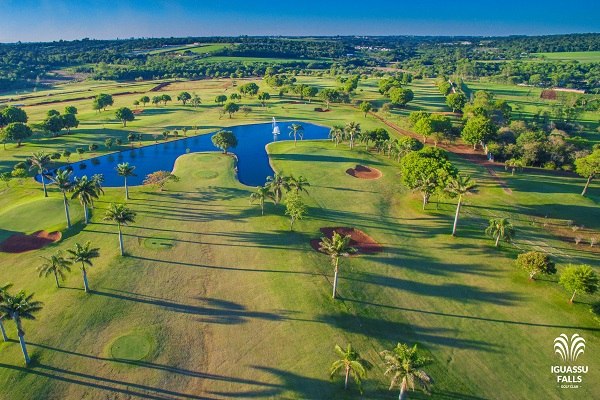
{"type": "Point", "coordinates": [535, 262]}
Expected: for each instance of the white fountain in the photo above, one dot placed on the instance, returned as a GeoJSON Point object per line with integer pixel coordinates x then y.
{"type": "Point", "coordinates": [276, 130]}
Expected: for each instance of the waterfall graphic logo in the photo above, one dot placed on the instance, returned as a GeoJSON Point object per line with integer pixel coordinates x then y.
{"type": "Point", "coordinates": [569, 349]}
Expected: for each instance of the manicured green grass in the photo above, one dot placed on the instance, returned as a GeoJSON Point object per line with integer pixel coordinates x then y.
{"type": "Point", "coordinates": [242, 306]}
{"type": "Point", "coordinates": [581, 56]}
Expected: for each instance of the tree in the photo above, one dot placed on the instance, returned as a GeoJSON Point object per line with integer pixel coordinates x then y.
{"type": "Point", "coordinates": [53, 124]}
{"type": "Point", "coordinates": [19, 307]}
{"type": "Point", "coordinates": [335, 247]}
{"type": "Point", "coordinates": [535, 262]}
{"type": "Point", "coordinates": [184, 97]}
{"type": "Point", "coordinates": [66, 154]}
{"type": "Point", "coordinates": [121, 215]}
{"type": "Point", "coordinates": [17, 131]}
{"type": "Point", "coordinates": [294, 208]}
{"type": "Point", "coordinates": [3, 294]}
{"type": "Point", "coordinates": [260, 195]}
{"type": "Point", "coordinates": [478, 130]}
{"type": "Point", "coordinates": [298, 184]}
{"type": "Point", "coordinates": [124, 114]}
{"type": "Point", "coordinates": [513, 164]}
{"type": "Point", "coordinates": [102, 101]}
{"type": "Point", "coordinates": [125, 170]}
{"type": "Point", "coordinates": [296, 130]}
{"type": "Point", "coordinates": [108, 142]}
{"type": "Point", "coordinates": [500, 228]}
{"type": "Point", "coordinates": [12, 114]}
{"type": "Point", "coordinates": [5, 177]}
{"type": "Point", "coordinates": [231, 108]}
{"type": "Point", "coordinates": [40, 161]}
{"type": "Point", "coordinates": [62, 179]}
{"type": "Point", "coordinates": [156, 100]}
{"type": "Point", "coordinates": [276, 185]}
{"type": "Point", "coordinates": [264, 97]}
{"type": "Point", "coordinates": [144, 100]}
{"type": "Point", "coordinates": [403, 363]}
{"type": "Point", "coordinates": [235, 97]}
{"type": "Point", "coordinates": [84, 254]}
{"type": "Point", "coordinates": [459, 187]}
{"type": "Point", "coordinates": [220, 99]}
{"type": "Point", "coordinates": [365, 107]}
{"type": "Point", "coordinates": [55, 265]}
{"type": "Point", "coordinates": [165, 98]}
{"type": "Point", "coordinates": [588, 167]}
{"type": "Point", "coordinates": [427, 170]}
{"type": "Point", "coordinates": [352, 130]}
{"type": "Point", "coordinates": [336, 134]}
{"type": "Point", "coordinates": [196, 101]}
{"type": "Point", "coordinates": [69, 121]}
{"type": "Point", "coordinates": [579, 278]}
{"type": "Point", "coordinates": [400, 96]}
{"type": "Point", "coordinates": [456, 101]}
{"type": "Point", "coordinates": [86, 190]}
{"type": "Point", "coordinates": [224, 140]}
{"type": "Point", "coordinates": [424, 127]}
{"type": "Point", "coordinates": [329, 96]}
{"type": "Point", "coordinates": [249, 89]}
{"type": "Point", "coordinates": [71, 110]}
{"type": "Point", "coordinates": [159, 179]}
{"type": "Point", "coordinates": [309, 92]}
{"type": "Point", "coordinates": [350, 363]}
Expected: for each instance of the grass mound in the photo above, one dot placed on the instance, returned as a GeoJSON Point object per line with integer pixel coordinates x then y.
{"type": "Point", "coordinates": [206, 174]}
{"type": "Point", "coordinates": [131, 347]}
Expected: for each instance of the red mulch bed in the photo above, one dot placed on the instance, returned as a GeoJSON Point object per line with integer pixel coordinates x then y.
{"type": "Point", "coordinates": [359, 240]}
{"type": "Point", "coordinates": [363, 172]}
{"type": "Point", "coordinates": [137, 112]}
{"type": "Point", "coordinates": [20, 243]}
{"type": "Point", "coordinates": [548, 94]}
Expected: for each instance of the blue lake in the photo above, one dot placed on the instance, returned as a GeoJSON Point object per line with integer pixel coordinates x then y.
{"type": "Point", "coordinates": [253, 162]}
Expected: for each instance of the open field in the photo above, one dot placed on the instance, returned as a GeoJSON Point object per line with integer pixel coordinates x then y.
{"type": "Point", "coordinates": [215, 301]}
{"type": "Point", "coordinates": [581, 56]}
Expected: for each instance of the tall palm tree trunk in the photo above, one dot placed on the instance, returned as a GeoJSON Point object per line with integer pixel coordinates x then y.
{"type": "Point", "coordinates": [126, 190]}
{"type": "Point", "coordinates": [346, 380]}
{"type": "Point", "coordinates": [573, 297]}
{"type": "Point", "coordinates": [456, 216]}
{"type": "Point", "coordinates": [403, 388]}
{"type": "Point", "coordinates": [67, 210]}
{"type": "Point", "coordinates": [85, 280]}
{"type": "Point", "coordinates": [587, 184]}
{"type": "Point", "coordinates": [85, 214]}
{"type": "Point", "coordinates": [44, 184]}
{"type": "Point", "coordinates": [121, 240]}
{"type": "Point", "coordinates": [56, 279]}
{"type": "Point", "coordinates": [21, 334]}
{"type": "Point", "coordinates": [262, 207]}
{"type": "Point", "coordinates": [4, 337]}
{"type": "Point", "coordinates": [335, 277]}
{"type": "Point", "coordinates": [497, 239]}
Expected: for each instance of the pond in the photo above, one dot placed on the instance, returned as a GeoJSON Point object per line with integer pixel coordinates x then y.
{"type": "Point", "coordinates": [253, 162]}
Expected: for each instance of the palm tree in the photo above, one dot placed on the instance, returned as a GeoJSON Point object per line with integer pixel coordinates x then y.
{"type": "Point", "coordinates": [3, 293]}
{"type": "Point", "coordinates": [336, 247]}
{"type": "Point", "coordinates": [18, 307]}
{"type": "Point", "coordinates": [126, 170]}
{"type": "Point", "coordinates": [350, 364]}
{"type": "Point", "coordinates": [260, 195]}
{"type": "Point", "coordinates": [337, 134]}
{"type": "Point", "coordinates": [122, 215]}
{"type": "Point", "coordinates": [84, 254]}
{"type": "Point", "coordinates": [295, 131]}
{"type": "Point", "coordinates": [62, 179]}
{"type": "Point", "coordinates": [276, 185]}
{"type": "Point", "coordinates": [56, 265]}
{"type": "Point", "coordinates": [40, 161]}
{"type": "Point", "coordinates": [86, 190]}
{"type": "Point", "coordinates": [459, 187]}
{"type": "Point", "coordinates": [352, 129]}
{"type": "Point", "coordinates": [403, 364]}
{"type": "Point", "coordinates": [298, 184]}
{"type": "Point", "coordinates": [500, 228]}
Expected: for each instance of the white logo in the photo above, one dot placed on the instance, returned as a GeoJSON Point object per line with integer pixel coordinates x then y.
{"type": "Point", "coordinates": [569, 349]}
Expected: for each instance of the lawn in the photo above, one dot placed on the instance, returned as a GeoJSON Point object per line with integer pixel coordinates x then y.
{"type": "Point", "coordinates": [214, 300]}
{"type": "Point", "coordinates": [581, 56]}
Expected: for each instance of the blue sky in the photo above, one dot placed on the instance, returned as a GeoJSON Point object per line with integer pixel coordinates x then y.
{"type": "Point", "coordinates": [29, 20]}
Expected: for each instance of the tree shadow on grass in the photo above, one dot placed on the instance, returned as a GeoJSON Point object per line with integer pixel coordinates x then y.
{"type": "Point", "coordinates": [227, 313]}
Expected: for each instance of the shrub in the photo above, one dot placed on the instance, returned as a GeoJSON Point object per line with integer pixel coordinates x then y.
{"type": "Point", "coordinates": [535, 262]}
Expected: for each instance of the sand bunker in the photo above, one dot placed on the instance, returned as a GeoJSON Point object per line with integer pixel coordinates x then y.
{"type": "Point", "coordinates": [358, 239]}
{"type": "Point", "coordinates": [363, 172]}
{"type": "Point", "coordinates": [20, 243]}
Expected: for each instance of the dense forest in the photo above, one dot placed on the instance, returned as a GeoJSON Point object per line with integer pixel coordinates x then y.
{"type": "Point", "coordinates": [504, 59]}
